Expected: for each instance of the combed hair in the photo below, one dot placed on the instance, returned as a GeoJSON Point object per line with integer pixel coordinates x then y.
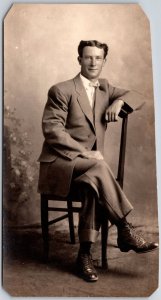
{"type": "Point", "coordinates": [92, 43]}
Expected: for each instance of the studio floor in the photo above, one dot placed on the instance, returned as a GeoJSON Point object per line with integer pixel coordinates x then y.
{"type": "Point", "coordinates": [25, 274]}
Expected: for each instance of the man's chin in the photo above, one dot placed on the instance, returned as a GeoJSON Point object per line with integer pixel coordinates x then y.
{"type": "Point", "coordinates": [93, 75]}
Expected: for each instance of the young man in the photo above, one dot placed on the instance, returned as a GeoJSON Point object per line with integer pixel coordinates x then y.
{"type": "Point", "coordinates": [74, 123]}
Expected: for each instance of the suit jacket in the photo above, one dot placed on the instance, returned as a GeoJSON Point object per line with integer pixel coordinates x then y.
{"type": "Point", "coordinates": [70, 127]}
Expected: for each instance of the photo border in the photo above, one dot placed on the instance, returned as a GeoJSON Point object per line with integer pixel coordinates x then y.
{"type": "Point", "coordinates": [152, 9]}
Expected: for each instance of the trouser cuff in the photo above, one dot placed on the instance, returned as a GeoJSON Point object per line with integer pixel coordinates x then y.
{"type": "Point", "coordinates": [88, 235]}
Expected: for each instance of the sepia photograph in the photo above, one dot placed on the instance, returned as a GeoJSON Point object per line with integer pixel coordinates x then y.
{"type": "Point", "coordinates": [80, 210]}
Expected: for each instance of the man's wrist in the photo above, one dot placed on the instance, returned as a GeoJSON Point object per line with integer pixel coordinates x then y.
{"type": "Point", "coordinates": [120, 101]}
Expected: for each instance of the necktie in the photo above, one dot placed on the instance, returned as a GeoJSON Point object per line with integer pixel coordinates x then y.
{"type": "Point", "coordinates": [94, 84]}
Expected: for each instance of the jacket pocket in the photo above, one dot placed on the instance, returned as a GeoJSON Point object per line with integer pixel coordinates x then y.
{"type": "Point", "coordinates": [47, 157]}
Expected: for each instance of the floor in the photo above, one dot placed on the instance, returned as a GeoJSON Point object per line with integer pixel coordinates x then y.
{"type": "Point", "coordinates": [25, 273]}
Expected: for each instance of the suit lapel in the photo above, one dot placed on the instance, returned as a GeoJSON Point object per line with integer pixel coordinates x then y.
{"type": "Point", "coordinates": [101, 100]}
{"type": "Point", "coordinates": [83, 99]}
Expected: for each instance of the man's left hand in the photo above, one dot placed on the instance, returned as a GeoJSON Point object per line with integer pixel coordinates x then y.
{"type": "Point", "coordinates": [113, 111]}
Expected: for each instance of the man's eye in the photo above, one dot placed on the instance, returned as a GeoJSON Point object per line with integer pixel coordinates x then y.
{"type": "Point", "coordinates": [97, 58]}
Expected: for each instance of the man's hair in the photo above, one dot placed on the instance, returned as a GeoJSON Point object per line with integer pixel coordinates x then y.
{"type": "Point", "coordinates": [92, 43]}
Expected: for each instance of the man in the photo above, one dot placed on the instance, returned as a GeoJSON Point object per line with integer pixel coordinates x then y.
{"type": "Point", "coordinates": [74, 124]}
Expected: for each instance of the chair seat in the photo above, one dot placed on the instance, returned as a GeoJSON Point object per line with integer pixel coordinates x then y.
{"type": "Point", "coordinates": [59, 198]}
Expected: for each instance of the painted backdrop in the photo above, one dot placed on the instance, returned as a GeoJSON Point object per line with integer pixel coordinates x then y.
{"type": "Point", "coordinates": [40, 49]}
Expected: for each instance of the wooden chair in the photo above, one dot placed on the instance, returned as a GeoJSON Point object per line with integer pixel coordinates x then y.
{"type": "Point", "coordinates": [70, 208]}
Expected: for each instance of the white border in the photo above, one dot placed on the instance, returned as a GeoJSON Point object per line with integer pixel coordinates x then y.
{"type": "Point", "coordinates": [152, 8]}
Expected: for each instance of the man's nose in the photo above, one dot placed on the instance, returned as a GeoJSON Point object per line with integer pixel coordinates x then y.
{"type": "Point", "coordinates": [93, 61]}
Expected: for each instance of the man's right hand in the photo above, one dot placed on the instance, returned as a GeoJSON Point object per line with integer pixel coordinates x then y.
{"type": "Point", "coordinates": [92, 154]}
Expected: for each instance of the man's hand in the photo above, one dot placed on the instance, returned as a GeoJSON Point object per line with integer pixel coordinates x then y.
{"type": "Point", "coordinates": [113, 111]}
{"type": "Point", "coordinates": [92, 154]}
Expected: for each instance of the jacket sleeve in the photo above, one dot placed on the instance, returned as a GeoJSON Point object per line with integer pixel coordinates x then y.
{"type": "Point", "coordinates": [117, 94]}
{"type": "Point", "coordinates": [53, 125]}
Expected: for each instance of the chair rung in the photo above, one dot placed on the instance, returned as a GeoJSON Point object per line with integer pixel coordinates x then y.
{"type": "Point", "coordinates": [76, 209]}
{"type": "Point", "coordinates": [73, 209]}
{"type": "Point", "coordinates": [57, 209]}
{"type": "Point", "coordinates": [58, 219]}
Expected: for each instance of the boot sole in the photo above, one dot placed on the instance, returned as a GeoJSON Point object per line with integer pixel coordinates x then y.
{"type": "Point", "coordinates": [138, 252]}
{"type": "Point", "coordinates": [82, 276]}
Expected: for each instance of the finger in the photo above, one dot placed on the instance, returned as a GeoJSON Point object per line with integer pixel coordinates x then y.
{"type": "Point", "coordinates": [109, 117]}
{"type": "Point", "coordinates": [106, 117]}
{"type": "Point", "coordinates": [97, 155]}
{"type": "Point", "coordinates": [100, 155]}
{"type": "Point", "coordinates": [112, 117]}
{"type": "Point", "coordinates": [85, 156]}
{"type": "Point", "coordinates": [116, 117]}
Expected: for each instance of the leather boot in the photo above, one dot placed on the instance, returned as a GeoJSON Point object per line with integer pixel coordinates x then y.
{"type": "Point", "coordinates": [86, 268]}
{"type": "Point", "coordinates": [128, 240]}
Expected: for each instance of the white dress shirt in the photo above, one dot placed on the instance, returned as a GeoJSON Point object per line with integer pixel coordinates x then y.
{"type": "Point", "coordinates": [90, 90]}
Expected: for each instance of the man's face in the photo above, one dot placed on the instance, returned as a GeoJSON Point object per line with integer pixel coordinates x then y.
{"type": "Point", "coordinates": [91, 62]}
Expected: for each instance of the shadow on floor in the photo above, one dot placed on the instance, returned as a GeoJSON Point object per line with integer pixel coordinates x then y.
{"type": "Point", "coordinates": [25, 273]}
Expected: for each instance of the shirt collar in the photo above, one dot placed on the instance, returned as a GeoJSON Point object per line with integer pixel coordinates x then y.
{"type": "Point", "coordinates": [87, 82]}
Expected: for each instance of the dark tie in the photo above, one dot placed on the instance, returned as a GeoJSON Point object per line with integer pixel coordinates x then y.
{"type": "Point", "coordinates": [95, 85]}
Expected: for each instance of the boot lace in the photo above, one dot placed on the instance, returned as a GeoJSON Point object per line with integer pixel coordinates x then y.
{"type": "Point", "coordinates": [87, 262]}
{"type": "Point", "coordinates": [140, 240]}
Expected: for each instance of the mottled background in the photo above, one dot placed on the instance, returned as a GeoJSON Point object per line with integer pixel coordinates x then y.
{"type": "Point", "coordinates": [40, 49]}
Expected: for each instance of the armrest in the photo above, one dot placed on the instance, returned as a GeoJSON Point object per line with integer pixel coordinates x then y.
{"type": "Point", "coordinates": [125, 110]}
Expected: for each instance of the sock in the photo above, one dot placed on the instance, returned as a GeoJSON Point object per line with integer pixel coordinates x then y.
{"type": "Point", "coordinates": [121, 223]}
{"type": "Point", "coordinates": [85, 247]}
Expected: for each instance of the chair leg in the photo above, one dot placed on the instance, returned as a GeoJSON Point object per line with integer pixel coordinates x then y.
{"type": "Point", "coordinates": [104, 236]}
{"type": "Point", "coordinates": [71, 221]}
{"type": "Point", "coordinates": [44, 226]}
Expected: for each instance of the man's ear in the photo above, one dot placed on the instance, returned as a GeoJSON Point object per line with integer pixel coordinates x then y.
{"type": "Point", "coordinates": [104, 61]}
{"type": "Point", "coordinates": [79, 60]}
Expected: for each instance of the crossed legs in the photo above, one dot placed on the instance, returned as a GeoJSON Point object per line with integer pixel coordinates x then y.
{"type": "Point", "coordinates": [100, 193]}
{"type": "Point", "coordinates": [98, 190]}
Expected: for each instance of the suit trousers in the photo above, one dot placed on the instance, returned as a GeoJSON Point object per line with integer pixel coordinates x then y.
{"type": "Point", "coordinates": [99, 192]}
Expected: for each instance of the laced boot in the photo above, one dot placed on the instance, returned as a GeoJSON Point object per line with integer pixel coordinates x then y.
{"type": "Point", "coordinates": [128, 239]}
{"type": "Point", "coordinates": [86, 268]}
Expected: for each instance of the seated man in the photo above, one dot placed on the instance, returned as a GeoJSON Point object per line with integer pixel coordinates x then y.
{"type": "Point", "coordinates": [74, 123]}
